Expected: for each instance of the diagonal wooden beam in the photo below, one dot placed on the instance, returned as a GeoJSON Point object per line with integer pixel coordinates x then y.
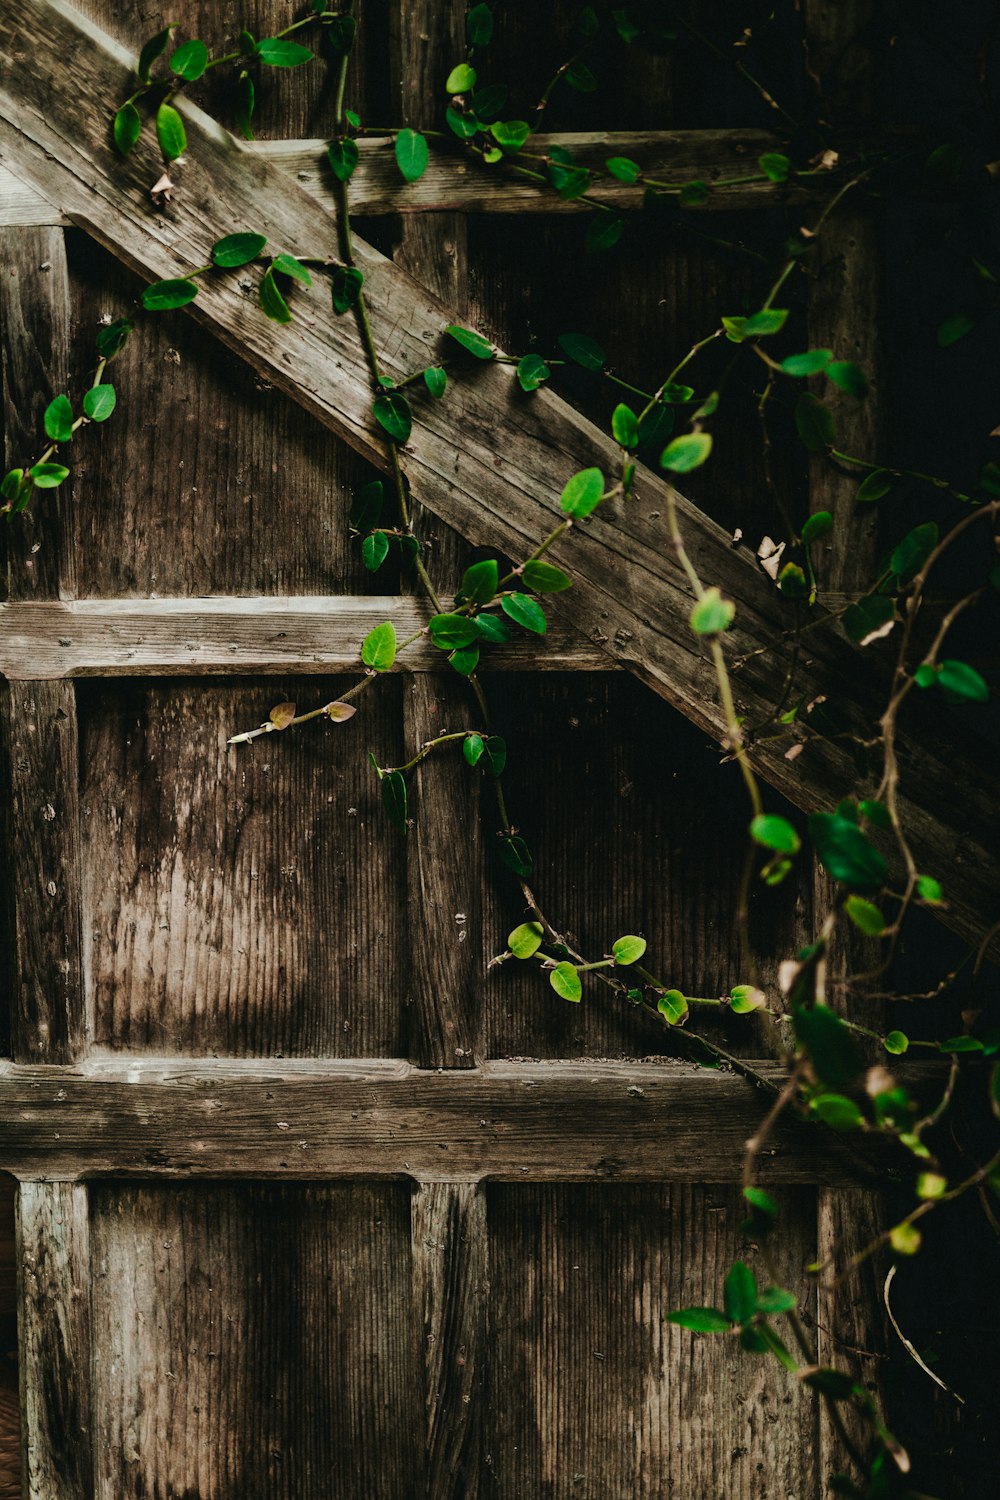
{"type": "Point", "coordinates": [487, 460]}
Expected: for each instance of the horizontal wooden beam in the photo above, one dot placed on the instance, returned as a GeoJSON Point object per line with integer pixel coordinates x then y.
{"type": "Point", "coordinates": [567, 1121]}
{"type": "Point", "coordinates": [487, 460]}
{"type": "Point", "coordinates": [232, 637]}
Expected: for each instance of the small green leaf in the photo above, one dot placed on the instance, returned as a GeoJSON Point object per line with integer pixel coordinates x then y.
{"type": "Point", "coordinates": [694, 193]}
{"type": "Point", "coordinates": [479, 583]}
{"type": "Point", "coordinates": [829, 1044]}
{"type": "Point", "coordinates": [744, 999]}
{"type": "Point", "coordinates": [471, 341]}
{"type": "Point", "coordinates": [472, 748]}
{"type": "Point", "coordinates": [865, 915]}
{"type": "Point", "coordinates": [819, 524]}
{"type": "Point", "coordinates": [543, 578]}
{"type": "Point", "coordinates": [525, 611]}
{"type": "Point", "coordinates": [154, 48]}
{"type": "Point", "coordinates": [565, 980]}
{"type": "Point", "coordinates": [127, 128]}
{"type": "Point", "coordinates": [673, 1007]}
{"type": "Point", "coordinates": [964, 681]}
{"type": "Point", "coordinates": [339, 33]}
{"type": "Point", "coordinates": [164, 295]}
{"type": "Point", "coordinates": [623, 168]}
{"type": "Point", "coordinates": [582, 350]}
{"type": "Point", "coordinates": [913, 551]}
{"type": "Point", "coordinates": [845, 852]}
{"type": "Point", "coordinates": [58, 420]}
{"type": "Point", "coordinates": [190, 60]}
{"type": "Point", "coordinates": [740, 1293]}
{"type": "Point", "coordinates": [580, 77]}
{"type": "Point", "coordinates": [837, 1111]}
{"type": "Point", "coordinates": [628, 950]}
{"type": "Point", "coordinates": [450, 631]}
{"type": "Point", "coordinates": [346, 287]}
{"type": "Point", "coordinates": [479, 26]}
{"type": "Point", "coordinates": [496, 754]}
{"type": "Point", "coordinates": [378, 651]}
{"type": "Point", "coordinates": [961, 1044]}
{"type": "Point", "coordinates": [761, 1201]}
{"type": "Point", "coordinates": [775, 833]}
{"type": "Point", "coordinates": [877, 813]}
{"type": "Point", "coordinates": [792, 581]}
{"type": "Point", "coordinates": [465, 659]}
{"type": "Point", "coordinates": [246, 98]}
{"type": "Point", "coordinates": [954, 328]}
{"type": "Point", "coordinates": [869, 619]}
{"type": "Point", "coordinates": [272, 302]}
{"type": "Point", "coordinates": [290, 265]}
{"type": "Point", "coordinates": [712, 614]}
{"type": "Point", "coordinates": [905, 1239]}
{"type": "Point", "coordinates": [775, 166]}
{"type": "Point", "coordinates": [237, 250]}
{"type": "Point", "coordinates": [848, 377]}
{"type": "Point", "coordinates": [603, 232]}
{"type": "Point", "coordinates": [436, 381]}
{"type": "Point", "coordinates": [48, 476]}
{"type": "Point", "coordinates": [762, 324]}
{"type": "Point", "coordinates": [687, 452]}
{"type": "Point", "coordinates": [510, 134]}
{"type": "Point", "coordinates": [394, 799]}
{"type": "Point", "coordinates": [874, 486]}
{"type": "Point", "coordinates": [531, 372]}
{"type": "Point", "coordinates": [625, 426]}
{"type": "Point", "coordinates": [583, 493]}
{"type": "Point", "coordinates": [367, 506]}
{"type": "Point", "coordinates": [700, 1319]}
{"type": "Point", "coordinates": [99, 402]}
{"type": "Point", "coordinates": [814, 423]}
{"type": "Point", "coordinates": [514, 852]}
{"type": "Point", "coordinates": [412, 155]}
{"type": "Point", "coordinates": [463, 125]}
{"type": "Point", "coordinates": [170, 132]}
{"type": "Point", "coordinates": [343, 158]}
{"type": "Point", "coordinates": [809, 363]}
{"type": "Point", "coordinates": [774, 1300]}
{"type": "Point", "coordinates": [374, 550]}
{"type": "Point", "coordinates": [526, 940]}
{"type": "Point", "coordinates": [392, 412]}
{"type": "Point", "coordinates": [277, 52]}
{"type": "Point", "coordinates": [493, 629]}
{"type": "Point", "coordinates": [929, 890]}
{"type": "Point", "coordinates": [11, 485]}
{"type": "Point", "coordinates": [896, 1042]}
{"type": "Point", "coordinates": [461, 79]}
{"type": "Point", "coordinates": [111, 340]}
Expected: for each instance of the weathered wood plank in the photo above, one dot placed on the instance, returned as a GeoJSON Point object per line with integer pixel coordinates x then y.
{"type": "Point", "coordinates": [235, 637]}
{"type": "Point", "coordinates": [630, 595]}
{"type": "Point", "coordinates": [450, 1289]}
{"type": "Point", "coordinates": [22, 206]}
{"type": "Point", "coordinates": [159, 1116]}
{"type": "Point", "coordinates": [55, 1339]}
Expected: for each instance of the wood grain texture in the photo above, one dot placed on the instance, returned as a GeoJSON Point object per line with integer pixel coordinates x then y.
{"type": "Point", "coordinates": [53, 1239]}
{"type": "Point", "coordinates": [254, 1340]}
{"type": "Point", "coordinates": [451, 1290]}
{"type": "Point", "coordinates": [592, 1394]}
{"type": "Point", "coordinates": [629, 594]}
{"type": "Point", "coordinates": [635, 1121]}
{"type": "Point", "coordinates": [240, 899]}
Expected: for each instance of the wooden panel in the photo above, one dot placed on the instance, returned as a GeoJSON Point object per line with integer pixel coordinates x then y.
{"type": "Point", "coordinates": [378, 1118]}
{"type": "Point", "coordinates": [240, 899]}
{"type": "Point", "coordinates": [592, 1394]}
{"type": "Point", "coordinates": [253, 1341]}
{"type": "Point", "coordinates": [231, 637]}
{"type": "Point", "coordinates": [55, 1347]}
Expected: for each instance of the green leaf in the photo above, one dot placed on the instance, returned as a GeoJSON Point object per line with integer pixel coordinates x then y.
{"type": "Point", "coordinates": [247, 44]}
{"type": "Point", "coordinates": [775, 833]}
{"type": "Point", "coordinates": [700, 1319]}
{"type": "Point", "coordinates": [836, 1384]}
{"type": "Point", "coordinates": [525, 611]}
{"type": "Point", "coordinates": [744, 999]}
{"type": "Point", "coordinates": [461, 79]}
{"type": "Point", "coordinates": [762, 324]}
{"type": "Point", "coordinates": [277, 52]}
{"type": "Point", "coordinates": [12, 484]}
{"type": "Point", "coordinates": [272, 302]}
{"type": "Point", "coordinates": [479, 26]}
{"type": "Point", "coordinates": [876, 812]}
{"type": "Point", "coordinates": [111, 340]}
{"type": "Point", "coordinates": [761, 1200]}
{"type": "Point", "coordinates": [510, 134]}
{"type": "Point", "coordinates": [290, 265]}
{"type": "Point", "coordinates": [436, 381]}
{"type": "Point", "coordinates": [774, 1300]}
{"type": "Point", "coordinates": [837, 1111]}
{"type": "Point", "coordinates": [673, 1007]}
{"type": "Point", "coordinates": [569, 181]}
{"type": "Point", "coordinates": [655, 427]}
{"type": "Point", "coordinates": [848, 377]}
{"type": "Point", "coordinates": [712, 614]}
{"type": "Point", "coordinates": [491, 628]}
{"type": "Point", "coordinates": [394, 798]}
{"type": "Point", "coordinates": [374, 550]}
{"type": "Point", "coordinates": [845, 852]}
{"type": "Point", "coordinates": [603, 232]}
{"type": "Point", "coordinates": [392, 412]}
{"type": "Point", "coordinates": [693, 194]}
{"type": "Point", "coordinates": [687, 452]}
{"type": "Point", "coordinates": [471, 341]}
{"type": "Point", "coordinates": [865, 915]}
{"type": "Point", "coordinates": [339, 34]}
{"type": "Point", "coordinates": [190, 60]}
{"type": "Point", "coordinates": [809, 363]}
{"type": "Point", "coordinates": [914, 550]}
{"type": "Point", "coordinates": [582, 350]}
{"type": "Point", "coordinates": [583, 493]}
{"type": "Point", "coordinates": [479, 583]}
{"type": "Point", "coordinates": [472, 748]}
{"type": "Point", "coordinates": [792, 581]}
{"type": "Point", "coordinates": [412, 155]}
{"type": "Point", "coordinates": [378, 650]}
{"type": "Point", "coordinates": [931, 1185]}
{"type": "Point", "coordinates": [367, 506]}
{"type": "Point", "coordinates": [628, 950]}
{"type": "Point", "coordinates": [961, 1044]}
{"type": "Point", "coordinates": [58, 420]}
{"type": "Point", "coordinates": [625, 426]}
{"type": "Point", "coordinates": [246, 97]}
{"type": "Point", "coordinates": [496, 754]}
{"type": "Point", "coordinates": [543, 578]}
{"type": "Point", "coordinates": [565, 980]}
{"type": "Point", "coordinates": [905, 1239]}
{"type": "Point", "coordinates": [127, 128]}
{"type": "Point", "coordinates": [531, 372]}
{"type": "Point", "coordinates": [775, 166]}
{"type": "Point", "coordinates": [463, 125]}
{"type": "Point", "coordinates": [170, 132]}
{"type": "Point", "coordinates": [829, 1044]}
{"type": "Point", "coordinates": [237, 250]}
{"type": "Point", "coordinates": [964, 681]}
{"type": "Point", "coordinates": [153, 49]}
{"type": "Point", "coordinates": [814, 423]}
{"type": "Point", "coordinates": [526, 940]}
{"type": "Point", "coordinates": [343, 158]}
{"type": "Point", "coordinates": [819, 524]}
{"type": "Point", "coordinates": [954, 328]}
{"type": "Point", "coordinates": [896, 1042]}
{"type": "Point", "coordinates": [164, 295]}
{"type": "Point", "coordinates": [867, 620]}
{"type": "Point", "coordinates": [450, 632]}
{"type": "Point", "coordinates": [515, 853]}
{"type": "Point", "coordinates": [465, 659]}
{"type": "Point", "coordinates": [48, 476]}
{"type": "Point", "coordinates": [623, 168]}
{"type": "Point", "coordinates": [488, 102]}
{"type": "Point", "coordinates": [346, 288]}
{"type": "Point", "coordinates": [874, 486]}
{"type": "Point", "coordinates": [740, 1293]}
{"type": "Point", "coordinates": [99, 402]}
{"type": "Point", "coordinates": [929, 890]}
{"type": "Point", "coordinates": [580, 77]}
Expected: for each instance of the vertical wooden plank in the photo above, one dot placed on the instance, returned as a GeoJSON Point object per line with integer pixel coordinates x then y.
{"type": "Point", "coordinates": [55, 1341]}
